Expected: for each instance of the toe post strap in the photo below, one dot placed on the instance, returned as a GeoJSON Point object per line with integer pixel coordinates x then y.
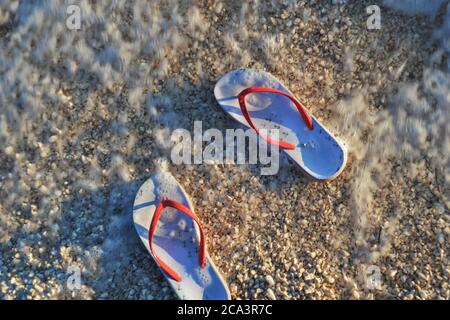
{"type": "Point", "coordinates": [301, 109]}
{"type": "Point", "coordinates": [157, 214]}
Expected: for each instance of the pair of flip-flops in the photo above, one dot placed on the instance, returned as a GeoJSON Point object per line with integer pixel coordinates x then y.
{"type": "Point", "coordinates": [163, 214]}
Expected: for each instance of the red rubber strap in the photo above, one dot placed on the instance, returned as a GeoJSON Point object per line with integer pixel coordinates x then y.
{"type": "Point", "coordinates": [300, 108]}
{"type": "Point", "coordinates": [158, 211]}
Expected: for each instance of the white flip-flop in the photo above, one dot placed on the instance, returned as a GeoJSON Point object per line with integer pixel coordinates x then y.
{"type": "Point", "coordinates": [163, 213]}
{"type": "Point", "coordinates": [258, 100]}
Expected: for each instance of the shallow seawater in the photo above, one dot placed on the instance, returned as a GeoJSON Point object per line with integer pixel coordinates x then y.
{"type": "Point", "coordinates": [86, 116]}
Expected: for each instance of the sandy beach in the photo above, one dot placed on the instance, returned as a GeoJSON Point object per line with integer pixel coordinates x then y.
{"type": "Point", "coordinates": [86, 116]}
